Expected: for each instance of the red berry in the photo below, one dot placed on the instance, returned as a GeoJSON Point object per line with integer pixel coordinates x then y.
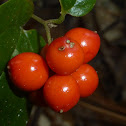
{"type": "Point", "coordinates": [61, 92]}
{"type": "Point", "coordinates": [87, 79]}
{"type": "Point", "coordinates": [28, 71]}
{"type": "Point", "coordinates": [89, 41]}
{"type": "Point", "coordinates": [64, 56]}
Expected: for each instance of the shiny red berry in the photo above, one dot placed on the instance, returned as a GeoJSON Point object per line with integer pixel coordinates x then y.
{"type": "Point", "coordinates": [88, 40]}
{"type": "Point", "coordinates": [87, 79]}
{"type": "Point", "coordinates": [64, 56]}
{"type": "Point", "coordinates": [61, 92]}
{"type": "Point", "coordinates": [28, 71]}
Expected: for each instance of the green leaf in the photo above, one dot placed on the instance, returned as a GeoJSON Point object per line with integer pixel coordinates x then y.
{"type": "Point", "coordinates": [42, 42]}
{"type": "Point", "coordinates": [14, 40]}
{"type": "Point", "coordinates": [13, 110]}
{"type": "Point", "coordinates": [14, 14]}
{"type": "Point", "coordinates": [28, 41]}
{"type": "Point", "coordinates": [79, 8]}
{"type": "Point", "coordinates": [8, 40]}
{"type": "Point", "coordinates": [67, 4]}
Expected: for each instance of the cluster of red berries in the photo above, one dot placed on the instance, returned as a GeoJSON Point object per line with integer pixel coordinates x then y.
{"type": "Point", "coordinates": [70, 79]}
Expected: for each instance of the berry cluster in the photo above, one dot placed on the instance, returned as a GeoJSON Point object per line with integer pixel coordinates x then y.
{"type": "Point", "coordinates": [60, 70]}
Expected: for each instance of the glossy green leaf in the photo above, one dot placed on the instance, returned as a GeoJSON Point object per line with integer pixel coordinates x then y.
{"type": "Point", "coordinates": [8, 40]}
{"type": "Point", "coordinates": [13, 111]}
{"type": "Point", "coordinates": [42, 42]}
{"type": "Point", "coordinates": [28, 41]}
{"type": "Point", "coordinates": [79, 8]}
{"type": "Point", "coordinates": [14, 14]}
{"type": "Point", "coordinates": [14, 40]}
{"type": "Point", "coordinates": [67, 4]}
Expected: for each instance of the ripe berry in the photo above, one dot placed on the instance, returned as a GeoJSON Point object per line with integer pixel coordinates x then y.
{"type": "Point", "coordinates": [87, 79]}
{"type": "Point", "coordinates": [64, 56]}
{"type": "Point", "coordinates": [28, 71]}
{"type": "Point", "coordinates": [89, 41]}
{"type": "Point", "coordinates": [61, 92]}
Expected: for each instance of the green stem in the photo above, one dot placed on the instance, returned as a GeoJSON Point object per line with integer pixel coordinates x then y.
{"type": "Point", "coordinates": [59, 20]}
{"type": "Point", "coordinates": [49, 38]}
{"type": "Point", "coordinates": [45, 24]}
{"type": "Point", "coordinates": [51, 21]}
{"type": "Point", "coordinates": [40, 20]}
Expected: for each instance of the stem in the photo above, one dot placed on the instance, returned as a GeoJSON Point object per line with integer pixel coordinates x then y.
{"type": "Point", "coordinates": [103, 111]}
{"type": "Point", "coordinates": [59, 20]}
{"type": "Point", "coordinates": [45, 24]}
{"type": "Point", "coordinates": [40, 20]}
{"type": "Point", "coordinates": [51, 21]}
{"type": "Point", "coordinates": [49, 38]}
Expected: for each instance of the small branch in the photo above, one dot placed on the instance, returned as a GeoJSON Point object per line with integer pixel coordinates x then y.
{"type": "Point", "coordinates": [59, 20]}
{"type": "Point", "coordinates": [106, 103]}
{"type": "Point", "coordinates": [40, 20]}
{"type": "Point", "coordinates": [35, 114]}
{"type": "Point", "coordinates": [49, 23]}
{"type": "Point", "coordinates": [111, 26]}
{"type": "Point", "coordinates": [103, 111]}
{"type": "Point", "coordinates": [45, 24]}
{"type": "Point", "coordinates": [49, 38]}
